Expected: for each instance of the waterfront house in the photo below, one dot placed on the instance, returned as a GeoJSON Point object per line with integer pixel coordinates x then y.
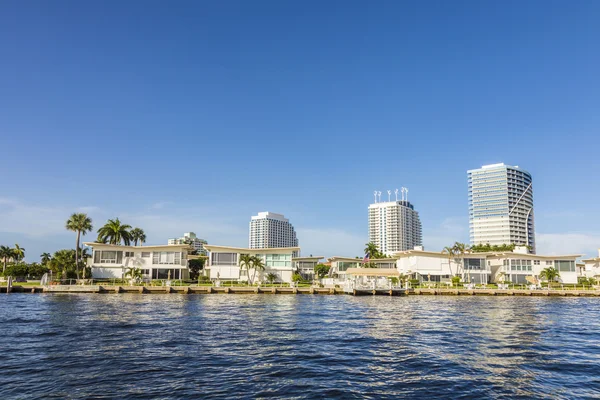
{"type": "Point", "coordinates": [306, 266]}
{"type": "Point", "coordinates": [592, 267]}
{"type": "Point", "coordinates": [481, 268]}
{"type": "Point", "coordinates": [156, 262]}
{"type": "Point", "coordinates": [224, 263]}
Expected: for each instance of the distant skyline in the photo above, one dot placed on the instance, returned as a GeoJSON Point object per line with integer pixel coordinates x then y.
{"type": "Point", "coordinates": [198, 115]}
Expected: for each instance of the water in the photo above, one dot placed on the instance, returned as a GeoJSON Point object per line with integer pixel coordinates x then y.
{"type": "Point", "coordinates": [304, 346]}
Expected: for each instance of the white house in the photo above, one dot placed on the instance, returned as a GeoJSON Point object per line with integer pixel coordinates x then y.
{"type": "Point", "coordinates": [306, 266]}
{"type": "Point", "coordinates": [491, 267]}
{"type": "Point", "coordinates": [224, 263]}
{"type": "Point", "coordinates": [592, 267]}
{"type": "Point", "coordinates": [156, 262]}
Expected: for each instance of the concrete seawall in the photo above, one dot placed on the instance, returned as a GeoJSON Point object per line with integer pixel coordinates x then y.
{"type": "Point", "coordinates": [288, 290]}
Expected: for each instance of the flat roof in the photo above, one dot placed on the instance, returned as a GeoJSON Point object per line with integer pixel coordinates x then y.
{"type": "Point", "coordinates": [214, 247]}
{"type": "Point", "coordinates": [118, 246]}
{"type": "Point", "coordinates": [317, 258]}
{"type": "Point", "coordinates": [492, 254]}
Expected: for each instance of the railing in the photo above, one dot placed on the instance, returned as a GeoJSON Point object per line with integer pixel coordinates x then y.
{"type": "Point", "coordinates": [509, 286]}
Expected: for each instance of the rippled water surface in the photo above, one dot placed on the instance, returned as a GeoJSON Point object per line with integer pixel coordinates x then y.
{"type": "Point", "coordinates": [304, 346]}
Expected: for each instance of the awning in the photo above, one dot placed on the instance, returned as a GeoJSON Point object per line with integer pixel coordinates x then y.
{"type": "Point", "coordinates": [531, 279]}
{"type": "Point", "coordinates": [391, 272]}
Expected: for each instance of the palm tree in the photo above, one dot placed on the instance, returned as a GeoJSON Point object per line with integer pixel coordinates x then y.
{"type": "Point", "coordinates": [257, 264]}
{"type": "Point", "coordinates": [62, 262]}
{"type": "Point", "coordinates": [18, 253]}
{"type": "Point", "coordinates": [550, 274]}
{"type": "Point", "coordinates": [114, 232]}
{"type": "Point", "coordinates": [372, 250]}
{"type": "Point", "coordinates": [82, 224]}
{"type": "Point", "coordinates": [138, 235]}
{"type": "Point", "coordinates": [271, 277]}
{"type": "Point", "coordinates": [451, 251]}
{"type": "Point", "coordinates": [134, 273]}
{"type": "Point", "coordinates": [45, 258]}
{"type": "Point", "coordinates": [5, 253]}
{"type": "Point", "coordinates": [460, 249]}
{"type": "Point", "coordinates": [246, 262]}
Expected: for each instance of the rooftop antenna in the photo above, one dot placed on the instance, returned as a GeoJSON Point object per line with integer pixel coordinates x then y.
{"type": "Point", "coordinates": [396, 193]}
{"type": "Point", "coordinates": [403, 190]}
{"type": "Point", "coordinates": [406, 195]}
{"type": "Point", "coordinates": [375, 193]}
{"type": "Point", "coordinates": [379, 194]}
{"type": "Point", "coordinates": [389, 194]}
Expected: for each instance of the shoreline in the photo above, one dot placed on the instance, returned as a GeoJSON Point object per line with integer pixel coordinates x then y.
{"type": "Point", "coordinates": [100, 289]}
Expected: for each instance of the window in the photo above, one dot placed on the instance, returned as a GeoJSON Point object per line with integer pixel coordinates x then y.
{"type": "Point", "coordinates": [536, 262]}
{"type": "Point", "coordinates": [224, 259]}
{"type": "Point", "coordinates": [146, 254]}
{"type": "Point", "coordinates": [548, 262]}
{"type": "Point", "coordinates": [108, 257]}
{"type": "Point", "coordinates": [129, 254]}
{"type": "Point", "coordinates": [565, 266]}
{"type": "Point", "coordinates": [166, 257]}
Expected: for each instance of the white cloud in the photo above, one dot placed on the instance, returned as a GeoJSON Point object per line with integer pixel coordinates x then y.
{"type": "Point", "coordinates": [159, 206]}
{"type": "Point", "coordinates": [330, 242]}
{"type": "Point", "coordinates": [31, 220]}
{"type": "Point", "coordinates": [568, 243]}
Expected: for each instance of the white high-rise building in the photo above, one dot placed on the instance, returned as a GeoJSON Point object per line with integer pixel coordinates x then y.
{"type": "Point", "coordinates": [270, 230]}
{"type": "Point", "coordinates": [190, 238]}
{"type": "Point", "coordinates": [394, 226]}
{"type": "Point", "coordinates": [501, 206]}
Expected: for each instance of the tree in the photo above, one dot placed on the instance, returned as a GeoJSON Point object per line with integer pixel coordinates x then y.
{"type": "Point", "coordinates": [370, 265]}
{"type": "Point", "coordinates": [451, 253]}
{"type": "Point", "coordinates": [372, 250]}
{"type": "Point", "coordinates": [16, 270]}
{"type": "Point", "coordinates": [321, 270]}
{"type": "Point", "coordinates": [133, 273]}
{"type": "Point", "coordinates": [81, 224]}
{"type": "Point", "coordinates": [195, 266]}
{"type": "Point", "coordinates": [486, 248]}
{"type": "Point", "coordinates": [271, 277]}
{"type": "Point", "coordinates": [63, 263]}
{"type": "Point", "coordinates": [45, 257]}
{"type": "Point", "coordinates": [36, 271]}
{"type": "Point", "coordinates": [138, 235]}
{"type": "Point", "coordinates": [460, 249]}
{"type": "Point", "coordinates": [257, 264]}
{"type": "Point", "coordinates": [5, 253]}
{"type": "Point", "coordinates": [246, 262]}
{"type": "Point", "coordinates": [296, 278]}
{"type": "Point", "coordinates": [18, 253]}
{"type": "Point", "coordinates": [114, 232]}
{"type": "Point", "coordinates": [549, 274]}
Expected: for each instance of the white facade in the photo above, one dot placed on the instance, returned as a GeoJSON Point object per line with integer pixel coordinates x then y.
{"type": "Point", "coordinates": [484, 268]}
{"type": "Point", "coordinates": [592, 267]}
{"type": "Point", "coordinates": [270, 230]}
{"type": "Point", "coordinates": [156, 262]}
{"type": "Point", "coordinates": [501, 206]}
{"type": "Point", "coordinates": [306, 266]}
{"type": "Point", "coordinates": [224, 263]}
{"type": "Point", "coordinates": [394, 226]}
{"type": "Point", "coordinates": [191, 239]}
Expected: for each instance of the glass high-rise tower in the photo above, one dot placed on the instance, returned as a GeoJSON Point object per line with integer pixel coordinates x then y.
{"type": "Point", "coordinates": [501, 206]}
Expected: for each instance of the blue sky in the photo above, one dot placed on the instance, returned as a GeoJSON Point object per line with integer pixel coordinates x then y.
{"type": "Point", "coordinates": [193, 116]}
